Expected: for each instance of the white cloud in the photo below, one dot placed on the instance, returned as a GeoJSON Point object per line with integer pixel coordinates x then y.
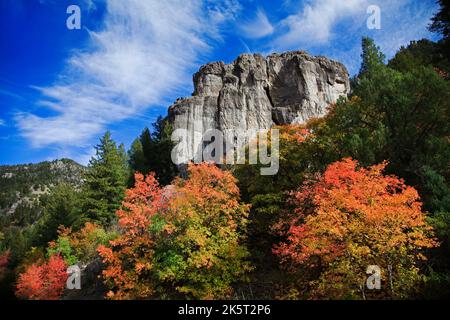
{"type": "Point", "coordinates": [313, 24]}
{"type": "Point", "coordinates": [401, 22]}
{"type": "Point", "coordinates": [145, 50]}
{"type": "Point", "coordinates": [258, 28]}
{"type": "Point", "coordinates": [335, 28]}
{"type": "Point", "coordinates": [2, 122]}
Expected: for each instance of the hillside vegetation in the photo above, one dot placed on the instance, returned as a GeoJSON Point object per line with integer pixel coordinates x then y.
{"type": "Point", "coordinates": [366, 187]}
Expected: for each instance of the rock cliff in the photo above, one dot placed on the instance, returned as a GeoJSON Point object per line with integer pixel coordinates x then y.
{"type": "Point", "coordinates": [254, 92]}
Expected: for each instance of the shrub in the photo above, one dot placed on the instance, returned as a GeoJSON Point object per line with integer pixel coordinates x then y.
{"type": "Point", "coordinates": [349, 219]}
{"type": "Point", "coordinates": [43, 282]}
{"type": "Point", "coordinates": [183, 241]}
{"type": "Point", "coordinates": [80, 246]}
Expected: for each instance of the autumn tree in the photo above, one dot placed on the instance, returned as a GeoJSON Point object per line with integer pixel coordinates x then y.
{"type": "Point", "coordinates": [348, 219]}
{"type": "Point", "coordinates": [43, 282]}
{"type": "Point", "coordinates": [201, 252]}
{"type": "Point", "coordinates": [182, 241]}
{"type": "Point", "coordinates": [268, 197]}
{"type": "Point", "coordinates": [129, 258]}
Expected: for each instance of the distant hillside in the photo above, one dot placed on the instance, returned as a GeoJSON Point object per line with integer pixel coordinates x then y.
{"type": "Point", "coordinates": [22, 185]}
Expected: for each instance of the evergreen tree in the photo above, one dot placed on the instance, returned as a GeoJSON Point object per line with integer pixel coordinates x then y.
{"type": "Point", "coordinates": [371, 56]}
{"type": "Point", "coordinates": [441, 24]}
{"type": "Point", "coordinates": [147, 147]}
{"type": "Point", "coordinates": [104, 182]}
{"type": "Point", "coordinates": [160, 161]}
{"type": "Point", "coordinates": [420, 53]}
{"type": "Point", "coordinates": [441, 21]}
{"type": "Point", "coordinates": [60, 208]}
{"type": "Point", "coordinates": [16, 240]}
{"type": "Point", "coordinates": [151, 152]}
{"type": "Point", "coordinates": [136, 156]}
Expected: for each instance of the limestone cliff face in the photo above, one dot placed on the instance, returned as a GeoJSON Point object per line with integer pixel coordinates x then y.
{"type": "Point", "coordinates": [254, 92]}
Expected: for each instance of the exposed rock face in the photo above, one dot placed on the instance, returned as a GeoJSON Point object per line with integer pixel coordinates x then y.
{"type": "Point", "coordinates": [254, 92]}
{"type": "Point", "coordinates": [92, 285]}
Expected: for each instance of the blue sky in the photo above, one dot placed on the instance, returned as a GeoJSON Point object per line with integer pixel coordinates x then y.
{"type": "Point", "coordinates": [60, 89]}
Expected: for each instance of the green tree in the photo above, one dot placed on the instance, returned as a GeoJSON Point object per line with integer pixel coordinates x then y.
{"type": "Point", "coordinates": [104, 182]}
{"type": "Point", "coordinates": [441, 24]}
{"type": "Point", "coordinates": [16, 240]}
{"type": "Point", "coordinates": [151, 152]}
{"type": "Point", "coordinates": [402, 116]}
{"type": "Point", "coordinates": [136, 156]}
{"type": "Point", "coordinates": [60, 208]}
{"type": "Point", "coordinates": [161, 162]}
{"type": "Point", "coordinates": [421, 53]}
{"type": "Point", "coordinates": [441, 21]}
{"type": "Point", "coordinates": [371, 56]}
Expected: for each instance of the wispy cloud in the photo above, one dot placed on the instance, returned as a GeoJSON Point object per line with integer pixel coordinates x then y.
{"type": "Point", "coordinates": [259, 27]}
{"type": "Point", "coordinates": [10, 94]}
{"type": "Point", "coordinates": [2, 122]}
{"type": "Point", "coordinates": [313, 24]}
{"type": "Point", "coordinates": [145, 51]}
{"type": "Point", "coordinates": [403, 21]}
{"type": "Point", "coordinates": [335, 28]}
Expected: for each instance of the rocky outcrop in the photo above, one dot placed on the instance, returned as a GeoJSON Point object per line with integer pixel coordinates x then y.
{"type": "Point", "coordinates": [254, 92]}
{"type": "Point", "coordinates": [92, 285]}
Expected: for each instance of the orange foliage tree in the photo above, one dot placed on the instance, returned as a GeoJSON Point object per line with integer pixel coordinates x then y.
{"type": "Point", "coordinates": [203, 253]}
{"type": "Point", "coordinates": [129, 257]}
{"type": "Point", "coordinates": [180, 241]}
{"type": "Point", "coordinates": [43, 282]}
{"type": "Point", "coordinates": [351, 218]}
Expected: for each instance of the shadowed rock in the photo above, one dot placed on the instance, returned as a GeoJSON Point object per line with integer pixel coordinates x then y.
{"type": "Point", "coordinates": [254, 92]}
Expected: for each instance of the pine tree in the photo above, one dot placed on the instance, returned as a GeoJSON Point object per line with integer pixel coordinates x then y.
{"type": "Point", "coordinates": [147, 148]}
{"type": "Point", "coordinates": [136, 156]}
{"type": "Point", "coordinates": [151, 152]}
{"type": "Point", "coordinates": [59, 209]}
{"type": "Point", "coordinates": [441, 21]}
{"type": "Point", "coordinates": [441, 25]}
{"type": "Point", "coordinates": [105, 182]}
{"type": "Point", "coordinates": [371, 56]}
{"type": "Point", "coordinates": [160, 161]}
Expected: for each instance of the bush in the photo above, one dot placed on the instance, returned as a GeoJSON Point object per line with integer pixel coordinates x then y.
{"type": "Point", "coordinates": [349, 219]}
{"type": "Point", "coordinates": [184, 241]}
{"type": "Point", "coordinates": [43, 282]}
{"type": "Point", "coordinates": [80, 246]}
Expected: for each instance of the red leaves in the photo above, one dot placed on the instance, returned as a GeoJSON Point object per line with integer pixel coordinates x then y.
{"type": "Point", "coordinates": [184, 240]}
{"type": "Point", "coordinates": [347, 202]}
{"type": "Point", "coordinates": [43, 282]}
{"type": "Point", "coordinates": [294, 133]}
{"type": "Point", "coordinates": [141, 203]}
{"type": "Point", "coordinates": [350, 218]}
